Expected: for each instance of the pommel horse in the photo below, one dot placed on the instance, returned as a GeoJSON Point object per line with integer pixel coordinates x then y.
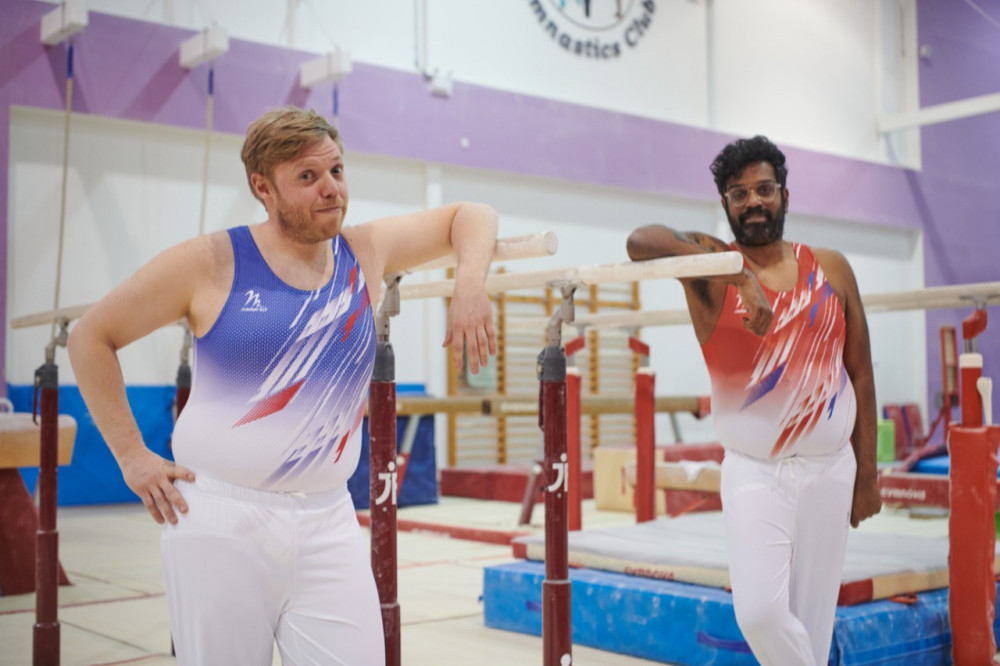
{"type": "Point", "coordinates": [20, 446]}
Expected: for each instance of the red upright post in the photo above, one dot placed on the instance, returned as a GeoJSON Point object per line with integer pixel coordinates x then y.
{"type": "Point", "coordinates": [382, 479]}
{"type": "Point", "coordinates": [557, 619]}
{"type": "Point", "coordinates": [971, 523]}
{"type": "Point", "coordinates": [645, 436]}
{"type": "Point", "coordinates": [46, 631]}
{"type": "Point", "coordinates": [183, 388]}
{"type": "Point", "coordinates": [972, 520]}
{"type": "Point", "coordinates": [574, 444]}
{"type": "Point", "coordinates": [970, 368]}
{"type": "Point", "coordinates": [574, 451]}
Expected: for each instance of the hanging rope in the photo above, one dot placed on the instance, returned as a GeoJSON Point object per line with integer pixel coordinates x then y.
{"type": "Point", "coordinates": [336, 107]}
{"type": "Point", "coordinates": [65, 170]}
{"type": "Point", "coordinates": [209, 104]}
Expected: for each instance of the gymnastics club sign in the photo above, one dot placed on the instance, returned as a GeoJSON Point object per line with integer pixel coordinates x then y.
{"type": "Point", "coordinates": [599, 29]}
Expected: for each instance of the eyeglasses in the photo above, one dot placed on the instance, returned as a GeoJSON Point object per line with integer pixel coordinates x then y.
{"type": "Point", "coordinates": [765, 191]}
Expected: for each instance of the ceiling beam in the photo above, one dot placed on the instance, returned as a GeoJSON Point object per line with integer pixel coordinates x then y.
{"type": "Point", "coordinates": [940, 113]}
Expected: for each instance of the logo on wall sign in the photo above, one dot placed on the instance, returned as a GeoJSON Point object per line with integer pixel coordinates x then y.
{"type": "Point", "coordinates": [600, 29]}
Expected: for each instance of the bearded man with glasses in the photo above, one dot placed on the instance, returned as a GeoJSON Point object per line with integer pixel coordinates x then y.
{"type": "Point", "coordinates": [793, 399]}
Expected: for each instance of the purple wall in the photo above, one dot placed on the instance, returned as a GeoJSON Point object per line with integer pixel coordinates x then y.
{"type": "Point", "coordinates": [959, 187]}
{"type": "Point", "coordinates": [128, 69]}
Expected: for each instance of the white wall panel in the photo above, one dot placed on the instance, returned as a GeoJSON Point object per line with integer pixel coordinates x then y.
{"type": "Point", "coordinates": [135, 189]}
{"type": "Point", "coordinates": [810, 74]}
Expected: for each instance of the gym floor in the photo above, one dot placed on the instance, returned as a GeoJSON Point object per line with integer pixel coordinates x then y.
{"type": "Point", "coordinates": [115, 611]}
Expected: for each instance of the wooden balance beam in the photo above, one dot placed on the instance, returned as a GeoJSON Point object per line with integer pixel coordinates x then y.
{"type": "Point", "coordinates": [701, 476]}
{"type": "Point", "coordinates": [896, 488]}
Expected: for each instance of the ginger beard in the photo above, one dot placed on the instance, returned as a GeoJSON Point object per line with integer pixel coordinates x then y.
{"type": "Point", "coordinates": [298, 223]}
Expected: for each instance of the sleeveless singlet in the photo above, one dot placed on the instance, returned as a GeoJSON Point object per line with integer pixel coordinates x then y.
{"type": "Point", "coordinates": [787, 393]}
{"type": "Point", "coordinates": [281, 378]}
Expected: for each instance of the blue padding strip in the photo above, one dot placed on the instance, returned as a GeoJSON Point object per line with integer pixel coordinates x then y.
{"type": "Point", "coordinates": [936, 465]}
{"type": "Point", "coordinates": [93, 476]}
{"type": "Point", "coordinates": [420, 481]}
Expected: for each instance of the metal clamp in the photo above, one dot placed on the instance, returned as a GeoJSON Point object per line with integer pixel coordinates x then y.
{"type": "Point", "coordinates": [389, 307]}
{"type": "Point", "coordinates": [566, 313]}
{"type": "Point", "coordinates": [60, 335]}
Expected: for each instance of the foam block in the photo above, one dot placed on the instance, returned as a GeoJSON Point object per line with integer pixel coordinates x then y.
{"type": "Point", "coordinates": [613, 493]}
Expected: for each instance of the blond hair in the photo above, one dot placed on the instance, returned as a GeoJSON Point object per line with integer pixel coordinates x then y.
{"type": "Point", "coordinates": [279, 135]}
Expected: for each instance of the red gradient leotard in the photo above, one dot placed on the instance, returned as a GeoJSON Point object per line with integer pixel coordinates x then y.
{"type": "Point", "coordinates": [786, 393]}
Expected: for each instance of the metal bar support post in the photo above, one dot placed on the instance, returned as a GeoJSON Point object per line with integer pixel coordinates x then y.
{"type": "Point", "coordinates": [557, 617]}
{"type": "Point", "coordinates": [45, 647]}
{"type": "Point", "coordinates": [383, 472]}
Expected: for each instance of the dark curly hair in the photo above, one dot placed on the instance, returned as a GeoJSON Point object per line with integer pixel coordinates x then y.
{"type": "Point", "coordinates": [737, 155]}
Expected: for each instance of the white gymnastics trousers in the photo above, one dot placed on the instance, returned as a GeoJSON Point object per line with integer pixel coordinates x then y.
{"type": "Point", "coordinates": [245, 568]}
{"type": "Point", "coordinates": [786, 532]}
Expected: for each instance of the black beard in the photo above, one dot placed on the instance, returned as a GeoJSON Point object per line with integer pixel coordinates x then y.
{"type": "Point", "coordinates": [756, 235]}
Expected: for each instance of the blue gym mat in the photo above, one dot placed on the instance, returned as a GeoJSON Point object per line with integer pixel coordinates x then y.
{"type": "Point", "coordinates": [691, 549]}
{"type": "Point", "coordinates": [935, 465]}
{"type": "Point", "coordinates": [694, 625]}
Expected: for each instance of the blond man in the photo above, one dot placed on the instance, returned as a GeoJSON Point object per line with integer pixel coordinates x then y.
{"type": "Point", "coordinates": [260, 541]}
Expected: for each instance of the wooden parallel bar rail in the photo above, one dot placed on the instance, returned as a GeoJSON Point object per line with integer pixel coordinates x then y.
{"type": "Point", "coordinates": [718, 263]}
{"type": "Point", "coordinates": [511, 247]}
{"type": "Point", "coordinates": [527, 404]}
{"type": "Point", "coordinates": [69, 313]}
{"type": "Point", "coordinates": [935, 298]}
{"type": "Point", "coordinates": [932, 298]}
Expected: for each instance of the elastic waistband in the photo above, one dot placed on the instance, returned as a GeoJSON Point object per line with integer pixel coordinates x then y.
{"type": "Point", "coordinates": [806, 458]}
{"type": "Point", "coordinates": [287, 500]}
